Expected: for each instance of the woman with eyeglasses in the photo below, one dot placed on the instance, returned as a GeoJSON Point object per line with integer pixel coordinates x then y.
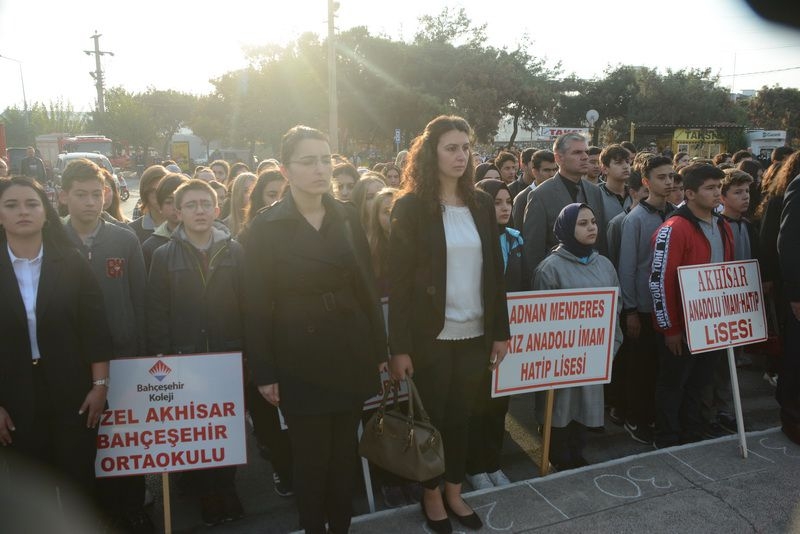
{"type": "Point", "coordinates": [315, 337]}
{"type": "Point", "coordinates": [448, 319]}
{"type": "Point", "coordinates": [56, 347]}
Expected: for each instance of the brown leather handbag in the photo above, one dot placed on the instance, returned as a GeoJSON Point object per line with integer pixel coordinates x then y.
{"type": "Point", "coordinates": [407, 445]}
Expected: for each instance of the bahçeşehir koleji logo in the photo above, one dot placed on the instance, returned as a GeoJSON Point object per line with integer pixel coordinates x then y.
{"type": "Point", "coordinates": [160, 370]}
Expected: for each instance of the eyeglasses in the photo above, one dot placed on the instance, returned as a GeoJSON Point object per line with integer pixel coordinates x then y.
{"type": "Point", "coordinates": [204, 205]}
{"type": "Point", "coordinates": [312, 161]}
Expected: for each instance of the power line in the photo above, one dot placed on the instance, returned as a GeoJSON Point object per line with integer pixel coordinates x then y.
{"type": "Point", "coordinates": [760, 72]}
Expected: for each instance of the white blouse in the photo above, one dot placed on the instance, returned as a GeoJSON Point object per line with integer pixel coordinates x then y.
{"type": "Point", "coordinates": [464, 298]}
{"type": "Point", "coordinates": [28, 273]}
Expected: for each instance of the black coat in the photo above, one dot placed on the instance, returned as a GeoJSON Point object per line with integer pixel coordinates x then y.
{"type": "Point", "coordinates": [191, 312]}
{"type": "Point", "coordinates": [789, 241]}
{"type": "Point", "coordinates": [314, 322]}
{"type": "Point", "coordinates": [418, 272]}
{"type": "Point", "coordinates": [72, 333]}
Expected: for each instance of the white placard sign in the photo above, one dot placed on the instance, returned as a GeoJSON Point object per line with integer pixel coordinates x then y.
{"type": "Point", "coordinates": [723, 305]}
{"type": "Point", "coordinates": [559, 339]}
{"type": "Point", "coordinates": [174, 413]}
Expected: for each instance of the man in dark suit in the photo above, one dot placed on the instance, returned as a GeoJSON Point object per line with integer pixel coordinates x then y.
{"type": "Point", "coordinates": [547, 200]}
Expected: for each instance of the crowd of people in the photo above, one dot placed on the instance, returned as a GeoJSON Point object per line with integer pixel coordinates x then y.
{"type": "Point", "coordinates": [288, 263]}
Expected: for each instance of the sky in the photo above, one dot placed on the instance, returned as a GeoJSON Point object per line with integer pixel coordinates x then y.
{"type": "Point", "coordinates": [182, 44]}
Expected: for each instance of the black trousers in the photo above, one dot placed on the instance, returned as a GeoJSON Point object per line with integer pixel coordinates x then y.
{"type": "Point", "coordinates": [267, 426]}
{"type": "Point", "coordinates": [788, 392]}
{"type": "Point", "coordinates": [641, 372]}
{"type": "Point", "coordinates": [679, 394]}
{"type": "Point", "coordinates": [448, 387]}
{"type": "Point", "coordinates": [487, 427]}
{"type": "Point", "coordinates": [567, 444]}
{"type": "Point", "coordinates": [324, 450]}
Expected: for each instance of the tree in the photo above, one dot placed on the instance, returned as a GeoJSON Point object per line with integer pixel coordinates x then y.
{"type": "Point", "coordinates": [209, 120]}
{"type": "Point", "coordinates": [168, 110]}
{"type": "Point", "coordinates": [19, 132]}
{"type": "Point", "coordinates": [127, 119]}
{"type": "Point", "coordinates": [452, 27]}
{"type": "Point", "coordinates": [777, 108]}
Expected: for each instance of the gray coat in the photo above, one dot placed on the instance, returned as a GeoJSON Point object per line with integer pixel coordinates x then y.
{"type": "Point", "coordinates": [115, 257]}
{"type": "Point", "coordinates": [544, 205]}
{"type": "Point", "coordinates": [562, 270]}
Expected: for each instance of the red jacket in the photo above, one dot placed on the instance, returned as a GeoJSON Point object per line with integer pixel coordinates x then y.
{"type": "Point", "coordinates": [678, 242]}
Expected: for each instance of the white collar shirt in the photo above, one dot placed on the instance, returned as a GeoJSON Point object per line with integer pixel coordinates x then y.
{"type": "Point", "coordinates": [28, 273]}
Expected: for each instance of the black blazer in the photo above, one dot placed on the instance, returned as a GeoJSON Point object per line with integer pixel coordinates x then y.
{"type": "Point", "coordinates": [72, 332]}
{"type": "Point", "coordinates": [418, 272]}
{"type": "Point", "coordinates": [314, 323]}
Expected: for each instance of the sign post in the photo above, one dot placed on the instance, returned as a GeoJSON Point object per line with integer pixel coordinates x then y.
{"type": "Point", "coordinates": [723, 307]}
{"type": "Point", "coordinates": [559, 339]}
{"type": "Point", "coordinates": [174, 413]}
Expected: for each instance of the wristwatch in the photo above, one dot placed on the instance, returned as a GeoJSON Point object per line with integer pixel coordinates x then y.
{"type": "Point", "coordinates": [101, 382]}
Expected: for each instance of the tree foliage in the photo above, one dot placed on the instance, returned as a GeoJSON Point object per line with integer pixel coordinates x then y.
{"type": "Point", "coordinates": [777, 108]}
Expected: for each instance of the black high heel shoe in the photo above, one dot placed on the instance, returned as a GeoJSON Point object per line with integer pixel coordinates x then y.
{"type": "Point", "coordinates": [439, 526]}
{"type": "Point", "coordinates": [471, 521]}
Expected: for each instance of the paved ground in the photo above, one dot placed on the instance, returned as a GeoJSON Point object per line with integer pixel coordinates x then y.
{"type": "Point", "coordinates": [268, 513]}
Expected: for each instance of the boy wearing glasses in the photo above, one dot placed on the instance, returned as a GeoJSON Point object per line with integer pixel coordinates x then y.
{"type": "Point", "coordinates": [194, 305]}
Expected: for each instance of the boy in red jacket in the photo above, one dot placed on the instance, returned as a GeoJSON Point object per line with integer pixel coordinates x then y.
{"type": "Point", "coordinates": [693, 235]}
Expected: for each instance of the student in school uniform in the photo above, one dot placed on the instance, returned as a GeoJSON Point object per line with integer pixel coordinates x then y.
{"type": "Point", "coordinates": [195, 305]}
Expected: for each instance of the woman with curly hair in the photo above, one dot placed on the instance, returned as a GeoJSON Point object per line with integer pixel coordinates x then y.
{"type": "Point", "coordinates": [448, 318]}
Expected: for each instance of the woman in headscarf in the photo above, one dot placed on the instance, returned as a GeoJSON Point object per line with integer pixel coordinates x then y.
{"type": "Point", "coordinates": [573, 264]}
{"type": "Point", "coordinates": [487, 422]}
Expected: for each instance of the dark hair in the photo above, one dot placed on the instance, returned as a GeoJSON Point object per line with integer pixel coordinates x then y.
{"type": "Point", "coordinates": [257, 193]}
{"type": "Point", "coordinates": [114, 208]}
{"type": "Point", "coordinates": [540, 156]}
{"type": "Point", "coordinates": [651, 163]}
{"type": "Point", "coordinates": [630, 147]}
{"type": "Point", "coordinates": [502, 157]}
{"type": "Point", "coordinates": [696, 174]}
{"type": "Point", "coordinates": [751, 167]}
{"type": "Point", "coordinates": [222, 163]}
{"type": "Point", "coordinates": [721, 157]}
{"type": "Point", "coordinates": [634, 181]}
{"type": "Point", "coordinates": [677, 157]}
{"type": "Point", "coordinates": [53, 230]}
{"type": "Point", "coordinates": [391, 167]}
{"type": "Point", "coordinates": [378, 167]}
{"type": "Point", "coordinates": [780, 153]}
{"type": "Point", "coordinates": [595, 150]}
{"type": "Point", "coordinates": [527, 154]}
{"type": "Point", "coordinates": [735, 177]}
{"type": "Point", "coordinates": [237, 169]}
{"type": "Point", "coordinates": [421, 173]}
{"type": "Point", "coordinates": [347, 169]}
{"type": "Point", "coordinates": [294, 136]}
{"type": "Point", "coordinates": [613, 153]}
{"type": "Point", "coordinates": [149, 181]}
{"type": "Point", "coordinates": [81, 170]}
{"type": "Point", "coordinates": [741, 155]}
{"type": "Point", "coordinates": [482, 169]}
{"type": "Point", "coordinates": [168, 185]}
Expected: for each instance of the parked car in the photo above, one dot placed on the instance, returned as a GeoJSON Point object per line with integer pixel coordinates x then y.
{"type": "Point", "coordinates": [65, 159]}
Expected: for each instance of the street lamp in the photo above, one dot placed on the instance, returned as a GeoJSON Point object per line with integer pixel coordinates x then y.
{"type": "Point", "coordinates": [22, 81]}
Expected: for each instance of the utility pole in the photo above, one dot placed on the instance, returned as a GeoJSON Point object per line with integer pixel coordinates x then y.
{"type": "Point", "coordinates": [333, 101]}
{"type": "Point", "coordinates": [98, 71]}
